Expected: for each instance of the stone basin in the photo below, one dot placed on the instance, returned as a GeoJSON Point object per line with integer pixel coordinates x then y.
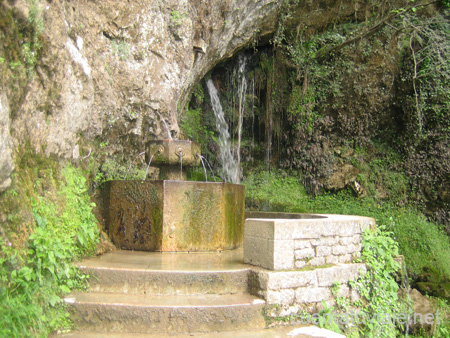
{"type": "Point", "coordinates": [167, 215]}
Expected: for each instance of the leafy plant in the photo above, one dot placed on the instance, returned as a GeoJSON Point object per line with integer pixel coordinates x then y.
{"type": "Point", "coordinates": [33, 280]}
{"type": "Point", "coordinates": [378, 287]}
{"type": "Point", "coordinates": [274, 191]}
{"type": "Point", "coordinates": [327, 318]}
{"type": "Point", "coordinates": [175, 23]}
{"type": "Point", "coordinates": [121, 48]}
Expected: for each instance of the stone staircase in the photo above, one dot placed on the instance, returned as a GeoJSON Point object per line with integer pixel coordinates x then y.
{"type": "Point", "coordinates": [165, 294]}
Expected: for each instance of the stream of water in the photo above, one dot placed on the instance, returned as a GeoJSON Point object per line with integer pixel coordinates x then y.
{"type": "Point", "coordinates": [242, 90]}
{"type": "Point", "coordinates": [229, 164]}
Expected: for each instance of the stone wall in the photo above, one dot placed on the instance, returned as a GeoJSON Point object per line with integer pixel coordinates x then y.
{"type": "Point", "coordinates": [280, 244]}
{"type": "Point", "coordinates": [300, 259]}
{"type": "Point", "coordinates": [291, 291]}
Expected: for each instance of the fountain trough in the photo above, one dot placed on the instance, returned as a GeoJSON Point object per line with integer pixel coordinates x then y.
{"type": "Point", "coordinates": [174, 215]}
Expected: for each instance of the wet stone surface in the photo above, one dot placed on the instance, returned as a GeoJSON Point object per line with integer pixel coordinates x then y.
{"type": "Point", "coordinates": [174, 215]}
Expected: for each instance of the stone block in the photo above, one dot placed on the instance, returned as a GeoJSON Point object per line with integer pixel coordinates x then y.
{"type": "Point", "coordinates": [305, 253]}
{"type": "Point", "coordinates": [346, 240]}
{"type": "Point", "coordinates": [309, 228]}
{"type": "Point", "coordinates": [316, 261]}
{"type": "Point", "coordinates": [283, 254]}
{"type": "Point", "coordinates": [284, 229]}
{"type": "Point", "coordinates": [344, 291]}
{"type": "Point", "coordinates": [323, 251]}
{"type": "Point", "coordinates": [328, 241]}
{"type": "Point", "coordinates": [356, 239]}
{"type": "Point", "coordinates": [345, 258]}
{"type": "Point", "coordinates": [302, 244]}
{"type": "Point", "coordinates": [343, 249]}
{"type": "Point", "coordinates": [290, 279]}
{"type": "Point", "coordinates": [259, 280]}
{"type": "Point", "coordinates": [167, 215]}
{"type": "Point", "coordinates": [341, 273]}
{"type": "Point", "coordinates": [312, 295]}
{"type": "Point", "coordinates": [283, 297]}
{"type": "Point", "coordinates": [258, 251]}
{"type": "Point", "coordinates": [349, 228]}
{"type": "Point", "coordinates": [331, 259]}
{"type": "Point", "coordinates": [300, 264]}
{"type": "Point", "coordinates": [367, 222]}
{"type": "Point", "coordinates": [259, 228]}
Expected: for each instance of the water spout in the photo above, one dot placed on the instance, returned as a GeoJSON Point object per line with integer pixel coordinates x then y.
{"type": "Point", "coordinates": [204, 167]}
{"type": "Point", "coordinates": [129, 167]}
{"type": "Point", "coordinates": [148, 165]}
{"type": "Point", "coordinates": [229, 166]}
{"type": "Point", "coordinates": [165, 125]}
{"type": "Point", "coordinates": [209, 166]}
{"type": "Point", "coordinates": [181, 165]}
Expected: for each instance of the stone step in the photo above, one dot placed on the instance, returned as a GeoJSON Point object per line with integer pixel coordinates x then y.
{"type": "Point", "coordinates": [297, 331]}
{"type": "Point", "coordinates": [144, 314]}
{"type": "Point", "coordinates": [155, 273]}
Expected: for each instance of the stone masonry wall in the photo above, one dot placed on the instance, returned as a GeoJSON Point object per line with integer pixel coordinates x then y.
{"type": "Point", "coordinates": [300, 259]}
{"type": "Point", "coordinates": [291, 291]}
{"type": "Point", "coordinates": [280, 244]}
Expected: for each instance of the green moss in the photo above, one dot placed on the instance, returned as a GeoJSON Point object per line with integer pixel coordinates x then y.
{"type": "Point", "coordinates": [202, 217]}
{"type": "Point", "coordinates": [233, 217]}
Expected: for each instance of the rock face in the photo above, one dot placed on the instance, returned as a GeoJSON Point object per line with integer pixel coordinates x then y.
{"type": "Point", "coordinates": [119, 70]}
{"type": "Point", "coordinates": [6, 163]}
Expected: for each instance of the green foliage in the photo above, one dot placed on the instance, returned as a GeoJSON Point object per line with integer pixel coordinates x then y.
{"type": "Point", "coordinates": [115, 168]}
{"type": "Point", "coordinates": [420, 241]}
{"type": "Point", "coordinates": [301, 108]}
{"type": "Point", "coordinates": [193, 124]}
{"type": "Point", "coordinates": [378, 287]}
{"type": "Point", "coordinates": [327, 320]}
{"type": "Point", "coordinates": [175, 22]}
{"type": "Point", "coordinates": [274, 191]}
{"type": "Point", "coordinates": [423, 243]}
{"type": "Point", "coordinates": [193, 128]}
{"type": "Point", "coordinates": [120, 48]}
{"type": "Point", "coordinates": [196, 125]}
{"type": "Point", "coordinates": [34, 279]}
{"type": "Point", "coordinates": [31, 49]}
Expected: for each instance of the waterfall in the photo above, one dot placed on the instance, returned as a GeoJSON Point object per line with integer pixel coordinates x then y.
{"type": "Point", "coordinates": [229, 164]}
{"type": "Point", "coordinates": [242, 89]}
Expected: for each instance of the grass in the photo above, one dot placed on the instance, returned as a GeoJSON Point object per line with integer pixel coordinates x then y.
{"type": "Point", "coordinates": [423, 243]}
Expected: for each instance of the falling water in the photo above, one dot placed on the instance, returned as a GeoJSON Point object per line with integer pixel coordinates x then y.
{"type": "Point", "coordinates": [129, 166]}
{"type": "Point", "coordinates": [242, 89]}
{"type": "Point", "coordinates": [229, 165]}
{"type": "Point", "coordinates": [204, 167]}
{"type": "Point", "coordinates": [181, 165]}
{"type": "Point", "coordinates": [209, 165]}
{"type": "Point", "coordinates": [148, 165]}
{"type": "Point", "coordinates": [165, 125]}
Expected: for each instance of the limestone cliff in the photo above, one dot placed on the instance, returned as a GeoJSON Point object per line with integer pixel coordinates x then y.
{"type": "Point", "coordinates": [116, 71]}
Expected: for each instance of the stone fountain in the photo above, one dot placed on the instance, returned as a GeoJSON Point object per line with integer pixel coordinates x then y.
{"type": "Point", "coordinates": [172, 214]}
